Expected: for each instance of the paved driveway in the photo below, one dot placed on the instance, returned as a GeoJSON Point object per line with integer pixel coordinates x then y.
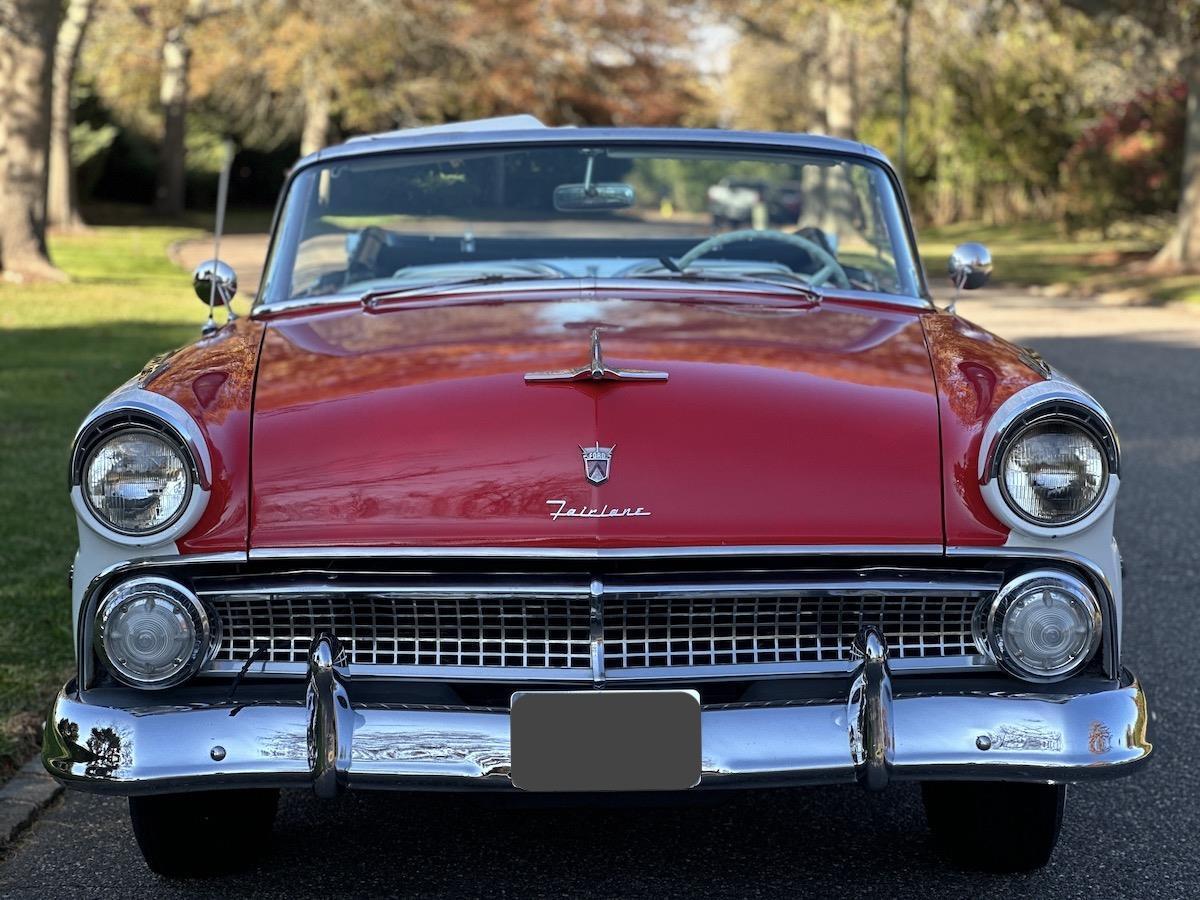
{"type": "Point", "coordinates": [245, 252]}
{"type": "Point", "coordinates": [1131, 838]}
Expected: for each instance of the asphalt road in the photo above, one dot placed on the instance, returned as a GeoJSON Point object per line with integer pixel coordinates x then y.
{"type": "Point", "coordinates": [1130, 838]}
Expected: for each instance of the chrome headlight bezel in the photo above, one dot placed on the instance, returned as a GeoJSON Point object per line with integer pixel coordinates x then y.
{"type": "Point", "coordinates": [1047, 403]}
{"type": "Point", "coordinates": [205, 627]}
{"type": "Point", "coordinates": [165, 420]}
{"type": "Point", "coordinates": [988, 626]}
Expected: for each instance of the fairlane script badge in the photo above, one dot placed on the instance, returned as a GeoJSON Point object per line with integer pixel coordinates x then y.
{"type": "Point", "coordinates": [597, 461]}
{"type": "Point", "coordinates": [562, 511]}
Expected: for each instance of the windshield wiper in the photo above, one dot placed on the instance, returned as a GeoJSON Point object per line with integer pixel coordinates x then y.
{"type": "Point", "coordinates": [774, 279]}
{"type": "Point", "coordinates": [371, 298]}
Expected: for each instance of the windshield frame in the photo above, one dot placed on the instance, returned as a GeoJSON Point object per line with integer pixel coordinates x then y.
{"type": "Point", "coordinates": [908, 262]}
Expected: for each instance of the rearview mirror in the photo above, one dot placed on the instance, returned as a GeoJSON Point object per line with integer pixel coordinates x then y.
{"type": "Point", "coordinates": [593, 197]}
{"type": "Point", "coordinates": [213, 270]}
{"type": "Point", "coordinates": [970, 266]}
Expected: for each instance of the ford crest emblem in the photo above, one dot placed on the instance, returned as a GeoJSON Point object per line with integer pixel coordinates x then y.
{"type": "Point", "coordinates": [597, 462]}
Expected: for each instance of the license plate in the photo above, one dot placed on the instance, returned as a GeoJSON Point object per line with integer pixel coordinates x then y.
{"type": "Point", "coordinates": [605, 740]}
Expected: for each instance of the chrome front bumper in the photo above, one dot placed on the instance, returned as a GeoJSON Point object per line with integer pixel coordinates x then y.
{"type": "Point", "coordinates": [869, 736]}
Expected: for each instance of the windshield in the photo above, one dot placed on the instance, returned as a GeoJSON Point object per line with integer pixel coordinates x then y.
{"type": "Point", "coordinates": [407, 220]}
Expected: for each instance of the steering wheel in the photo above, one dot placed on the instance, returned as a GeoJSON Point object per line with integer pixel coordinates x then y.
{"type": "Point", "coordinates": [831, 268]}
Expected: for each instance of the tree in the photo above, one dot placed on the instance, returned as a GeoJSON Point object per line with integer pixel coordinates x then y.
{"type": "Point", "coordinates": [597, 62]}
{"type": "Point", "coordinates": [27, 34]}
{"type": "Point", "coordinates": [815, 45]}
{"type": "Point", "coordinates": [62, 204]}
{"type": "Point", "coordinates": [282, 71]}
{"type": "Point", "coordinates": [1175, 28]}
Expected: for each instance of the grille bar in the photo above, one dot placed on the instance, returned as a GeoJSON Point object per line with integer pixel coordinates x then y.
{"type": "Point", "coordinates": [589, 630]}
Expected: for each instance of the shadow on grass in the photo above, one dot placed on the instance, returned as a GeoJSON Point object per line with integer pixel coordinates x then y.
{"type": "Point", "coordinates": [239, 220]}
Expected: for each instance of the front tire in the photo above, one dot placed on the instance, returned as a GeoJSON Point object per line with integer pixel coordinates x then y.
{"type": "Point", "coordinates": [203, 833]}
{"type": "Point", "coordinates": [995, 826]}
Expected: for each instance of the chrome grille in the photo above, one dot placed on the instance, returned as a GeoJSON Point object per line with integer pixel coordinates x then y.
{"type": "Point", "coordinates": [645, 631]}
{"type": "Point", "coordinates": [586, 630]}
{"type": "Point", "coordinates": [381, 629]}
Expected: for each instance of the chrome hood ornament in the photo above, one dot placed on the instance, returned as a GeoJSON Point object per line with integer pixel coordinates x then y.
{"type": "Point", "coordinates": [596, 370]}
{"type": "Point", "coordinates": [597, 461]}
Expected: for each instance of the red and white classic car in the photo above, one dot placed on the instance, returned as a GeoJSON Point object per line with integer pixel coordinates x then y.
{"type": "Point", "coordinates": [520, 476]}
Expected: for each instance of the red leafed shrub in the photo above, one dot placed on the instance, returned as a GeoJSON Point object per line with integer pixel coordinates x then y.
{"type": "Point", "coordinates": [1129, 162]}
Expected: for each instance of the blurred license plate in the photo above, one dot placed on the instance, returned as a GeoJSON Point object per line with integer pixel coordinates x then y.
{"type": "Point", "coordinates": [605, 740]}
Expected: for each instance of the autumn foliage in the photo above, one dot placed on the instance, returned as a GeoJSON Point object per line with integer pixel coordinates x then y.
{"type": "Point", "coordinates": [1129, 162]}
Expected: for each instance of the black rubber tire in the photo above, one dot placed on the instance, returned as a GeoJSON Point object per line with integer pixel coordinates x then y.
{"type": "Point", "coordinates": [203, 833]}
{"type": "Point", "coordinates": [995, 826]}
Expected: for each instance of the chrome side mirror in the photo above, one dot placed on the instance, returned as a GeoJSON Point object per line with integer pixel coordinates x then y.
{"type": "Point", "coordinates": [970, 266]}
{"type": "Point", "coordinates": [210, 272]}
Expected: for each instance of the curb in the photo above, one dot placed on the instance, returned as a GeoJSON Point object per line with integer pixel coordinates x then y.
{"type": "Point", "coordinates": [23, 797]}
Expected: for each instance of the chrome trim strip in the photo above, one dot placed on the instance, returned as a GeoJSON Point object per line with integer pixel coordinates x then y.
{"type": "Point", "coordinates": [499, 674]}
{"type": "Point", "coordinates": [423, 589]}
{"type": "Point", "coordinates": [583, 675]}
{"type": "Point", "coordinates": [595, 287]}
{"type": "Point", "coordinates": [596, 633]}
{"type": "Point", "coordinates": [539, 552]}
{"type": "Point", "coordinates": [818, 587]}
{"type": "Point", "coordinates": [923, 665]}
{"type": "Point", "coordinates": [949, 586]}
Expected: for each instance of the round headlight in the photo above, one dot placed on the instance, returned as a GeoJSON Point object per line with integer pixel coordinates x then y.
{"type": "Point", "coordinates": [152, 633]}
{"type": "Point", "coordinates": [1054, 473]}
{"type": "Point", "coordinates": [137, 481]}
{"type": "Point", "coordinates": [1044, 626]}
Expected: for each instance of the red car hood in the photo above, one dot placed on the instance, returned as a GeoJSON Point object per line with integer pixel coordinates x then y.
{"type": "Point", "coordinates": [415, 426]}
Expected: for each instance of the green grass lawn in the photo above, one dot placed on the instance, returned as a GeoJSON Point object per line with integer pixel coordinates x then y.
{"type": "Point", "coordinates": [1037, 254]}
{"type": "Point", "coordinates": [62, 349]}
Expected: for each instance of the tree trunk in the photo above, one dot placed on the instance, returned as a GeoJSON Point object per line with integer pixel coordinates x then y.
{"type": "Point", "coordinates": [62, 204]}
{"type": "Point", "coordinates": [841, 89]}
{"type": "Point", "coordinates": [835, 197]}
{"type": "Point", "coordinates": [173, 95]}
{"type": "Point", "coordinates": [317, 107]}
{"type": "Point", "coordinates": [1182, 249]}
{"type": "Point", "coordinates": [906, 11]}
{"type": "Point", "coordinates": [27, 33]}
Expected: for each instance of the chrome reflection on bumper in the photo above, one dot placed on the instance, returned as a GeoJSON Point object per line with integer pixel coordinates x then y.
{"type": "Point", "coordinates": [871, 736]}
